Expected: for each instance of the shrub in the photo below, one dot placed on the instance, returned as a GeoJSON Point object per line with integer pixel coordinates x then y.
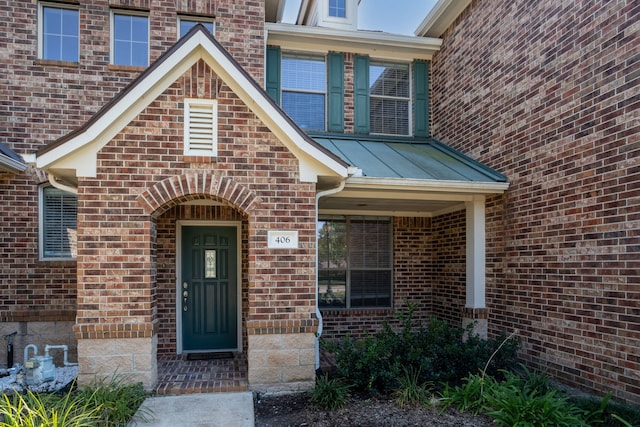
{"type": "Point", "coordinates": [438, 351]}
{"type": "Point", "coordinates": [330, 394]}
{"type": "Point", "coordinates": [603, 413]}
{"type": "Point", "coordinates": [468, 396]}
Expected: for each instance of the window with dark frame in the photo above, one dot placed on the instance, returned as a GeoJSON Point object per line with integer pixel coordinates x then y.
{"type": "Point", "coordinates": [60, 28]}
{"type": "Point", "coordinates": [58, 223]}
{"type": "Point", "coordinates": [354, 262]}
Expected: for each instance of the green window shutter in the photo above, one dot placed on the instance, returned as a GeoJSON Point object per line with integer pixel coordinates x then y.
{"type": "Point", "coordinates": [335, 92]}
{"type": "Point", "coordinates": [361, 93]}
{"type": "Point", "coordinates": [421, 98]}
{"type": "Point", "coordinates": [273, 72]}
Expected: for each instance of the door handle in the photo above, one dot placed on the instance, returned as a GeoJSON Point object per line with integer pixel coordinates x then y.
{"type": "Point", "coordinates": [185, 294]}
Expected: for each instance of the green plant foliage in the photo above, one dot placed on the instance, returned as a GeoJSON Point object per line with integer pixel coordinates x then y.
{"type": "Point", "coordinates": [468, 396]}
{"type": "Point", "coordinates": [117, 400]}
{"type": "Point", "coordinates": [410, 391]}
{"type": "Point", "coordinates": [40, 410]}
{"type": "Point", "coordinates": [604, 413]}
{"type": "Point", "coordinates": [439, 351]}
{"type": "Point", "coordinates": [330, 394]}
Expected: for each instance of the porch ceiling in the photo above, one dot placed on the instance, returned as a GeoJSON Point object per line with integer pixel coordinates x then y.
{"type": "Point", "coordinates": [404, 176]}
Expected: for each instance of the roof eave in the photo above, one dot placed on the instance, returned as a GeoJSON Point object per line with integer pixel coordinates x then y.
{"type": "Point", "coordinates": [431, 185]}
{"type": "Point", "coordinates": [7, 164]}
{"type": "Point", "coordinates": [374, 43]}
{"type": "Point", "coordinates": [441, 17]}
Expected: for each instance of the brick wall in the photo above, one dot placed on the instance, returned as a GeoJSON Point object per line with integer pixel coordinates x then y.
{"type": "Point", "coordinates": [44, 100]}
{"type": "Point", "coordinates": [546, 93]}
{"type": "Point", "coordinates": [449, 270]}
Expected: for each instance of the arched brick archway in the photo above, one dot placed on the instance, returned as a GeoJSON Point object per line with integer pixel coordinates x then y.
{"type": "Point", "coordinates": [193, 185]}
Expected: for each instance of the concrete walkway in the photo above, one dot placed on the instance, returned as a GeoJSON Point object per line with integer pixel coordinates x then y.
{"type": "Point", "coordinates": [197, 410]}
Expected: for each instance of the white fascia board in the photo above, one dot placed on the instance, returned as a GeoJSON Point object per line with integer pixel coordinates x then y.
{"type": "Point", "coordinates": [432, 185]}
{"type": "Point", "coordinates": [372, 43]}
{"type": "Point", "coordinates": [441, 17]}
{"type": "Point", "coordinates": [85, 146]}
{"type": "Point", "coordinates": [8, 164]}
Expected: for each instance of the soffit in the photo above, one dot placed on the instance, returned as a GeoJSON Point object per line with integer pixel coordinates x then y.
{"type": "Point", "coordinates": [373, 43]}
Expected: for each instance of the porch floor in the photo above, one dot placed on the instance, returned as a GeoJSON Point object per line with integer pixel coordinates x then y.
{"type": "Point", "coordinates": [177, 375]}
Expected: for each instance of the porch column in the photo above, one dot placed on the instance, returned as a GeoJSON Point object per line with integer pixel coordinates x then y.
{"type": "Point", "coordinates": [475, 309]}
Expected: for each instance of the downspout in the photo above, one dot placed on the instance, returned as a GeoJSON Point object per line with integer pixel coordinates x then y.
{"type": "Point", "coordinates": [335, 190]}
{"type": "Point", "coordinates": [60, 186]}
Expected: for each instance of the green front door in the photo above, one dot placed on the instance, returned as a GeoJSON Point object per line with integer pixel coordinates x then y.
{"type": "Point", "coordinates": [209, 288]}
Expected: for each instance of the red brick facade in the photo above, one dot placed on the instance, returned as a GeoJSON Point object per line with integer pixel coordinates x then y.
{"type": "Point", "coordinates": [547, 93]}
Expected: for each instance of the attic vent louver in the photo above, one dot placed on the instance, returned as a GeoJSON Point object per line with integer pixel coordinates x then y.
{"type": "Point", "coordinates": [200, 127]}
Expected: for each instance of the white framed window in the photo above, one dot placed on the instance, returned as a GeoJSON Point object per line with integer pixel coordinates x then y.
{"type": "Point", "coordinates": [338, 8]}
{"type": "Point", "coordinates": [390, 98]}
{"type": "Point", "coordinates": [185, 23]}
{"type": "Point", "coordinates": [354, 262]}
{"type": "Point", "coordinates": [58, 217]}
{"type": "Point", "coordinates": [59, 32]}
{"type": "Point", "coordinates": [201, 127]}
{"type": "Point", "coordinates": [304, 90]}
{"type": "Point", "coordinates": [129, 38]}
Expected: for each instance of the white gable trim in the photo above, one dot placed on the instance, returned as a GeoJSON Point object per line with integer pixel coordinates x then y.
{"type": "Point", "coordinates": [79, 152]}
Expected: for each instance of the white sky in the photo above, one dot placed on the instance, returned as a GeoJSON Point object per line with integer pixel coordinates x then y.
{"type": "Point", "coordinates": [392, 16]}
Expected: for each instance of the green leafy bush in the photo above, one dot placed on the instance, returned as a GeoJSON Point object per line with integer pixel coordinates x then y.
{"type": "Point", "coordinates": [439, 351]}
{"type": "Point", "coordinates": [604, 413]}
{"type": "Point", "coordinates": [330, 393]}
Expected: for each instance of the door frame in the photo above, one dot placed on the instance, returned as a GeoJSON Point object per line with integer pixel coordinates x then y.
{"type": "Point", "coordinates": [178, 288]}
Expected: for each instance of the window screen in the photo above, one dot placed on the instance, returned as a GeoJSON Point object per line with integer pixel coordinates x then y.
{"type": "Point", "coordinates": [186, 24]}
{"type": "Point", "coordinates": [389, 98]}
{"type": "Point", "coordinates": [59, 212]}
{"type": "Point", "coordinates": [304, 87]}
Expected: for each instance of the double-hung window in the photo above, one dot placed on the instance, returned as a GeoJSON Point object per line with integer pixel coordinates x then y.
{"type": "Point", "coordinates": [58, 223]}
{"type": "Point", "coordinates": [390, 98]}
{"type": "Point", "coordinates": [59, 33]}
{"type": "Point", "coordinates": [354, 262]}
{"type": "Point", "coordinates": [304, 87]}
{"type": "Point", "coordinates": [187, 23]}
{"type": "Point", "coordinates": [130, 38]}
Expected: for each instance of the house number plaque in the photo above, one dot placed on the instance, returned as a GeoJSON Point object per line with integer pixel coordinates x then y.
{"type": "Point", "coordinates": [283, 239]}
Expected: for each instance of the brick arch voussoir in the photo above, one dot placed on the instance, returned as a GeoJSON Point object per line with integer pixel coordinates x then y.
{"type": "Point", "coordinates": [175, 190]}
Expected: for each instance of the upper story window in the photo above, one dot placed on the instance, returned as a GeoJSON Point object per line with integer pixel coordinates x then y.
{"type": "Point", "coordinates": [58, 223]}
{"type": "Point", "coordinates": [390, 98]}
{"type": "Point", "coordinates": [304, 87]}
{"type": "Point", "coordinates": [59, 33]}
{"type": "Point", "coordinates": [354, 262]}
{"type": "Point", "coordinates": [130, 39]}
{"type": "Point", "coordinates": [187, 23]}
{"type": "Point", "coordinates": [337, 8]}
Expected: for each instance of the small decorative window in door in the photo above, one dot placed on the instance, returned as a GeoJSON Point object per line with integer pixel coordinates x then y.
{"type": "Point", "coordinates": [210, 264]}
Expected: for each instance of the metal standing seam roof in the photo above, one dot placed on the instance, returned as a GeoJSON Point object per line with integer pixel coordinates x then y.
{"type": "Point", "coordinates": [427, 159]}
{"type": "Point", "coordinates": [10, 160]}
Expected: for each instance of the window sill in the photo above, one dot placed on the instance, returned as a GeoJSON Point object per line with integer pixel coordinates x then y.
{"type": "Point", "coordinates": [127, 68]}
{"type": "Point", "coordinates": [56, 63]}
{"type": "Point", "coordinates": [357, 311]}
